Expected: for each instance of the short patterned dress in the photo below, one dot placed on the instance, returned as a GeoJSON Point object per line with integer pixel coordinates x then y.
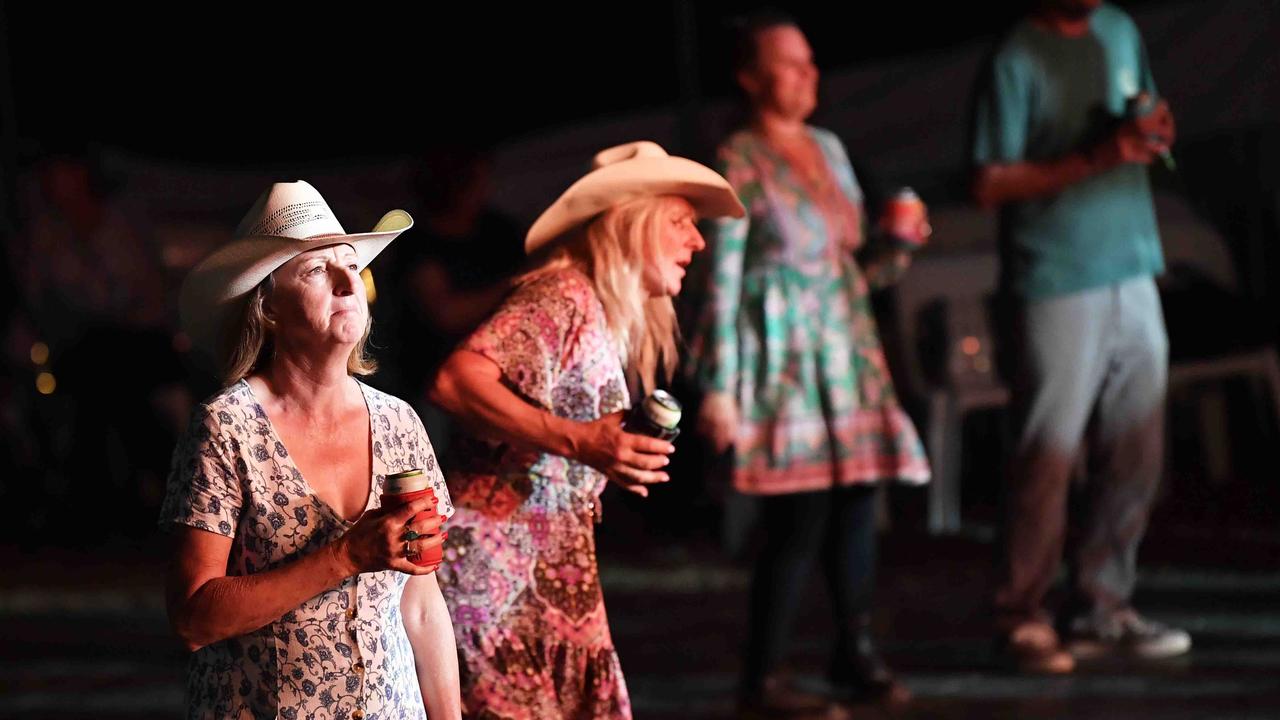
{"type": "Point", "coordinates": [787, 329]}
{"type": "Point", "coordinates": [342, 654]}
{"type": "Point", "coordinates": [520, 572]}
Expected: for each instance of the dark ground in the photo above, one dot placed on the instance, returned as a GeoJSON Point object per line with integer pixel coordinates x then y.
{"type": "Point", "coordinates": [85, 636]}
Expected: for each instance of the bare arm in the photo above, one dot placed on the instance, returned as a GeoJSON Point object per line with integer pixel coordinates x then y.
{"type": "Point", "coordinates": [435, 654]}
{"type": "Point", "coordinates": [718, 420]}
{"type": "Point", "coordinates": [997, 184]}
{"type": "Point", "coordinates": [1132, 142]}
{"type": "Point", "coordinates": [206, 605]}
{"type": "Point", "coordinates": [469, 386]}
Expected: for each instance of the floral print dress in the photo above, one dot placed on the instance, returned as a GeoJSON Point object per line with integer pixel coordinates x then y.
{"type": "Point", "coordinates": [341, 655]}
{"type": "Point", "coordinates": [520, 573]}
{"type": "Point", "coordinates": [787, 329]}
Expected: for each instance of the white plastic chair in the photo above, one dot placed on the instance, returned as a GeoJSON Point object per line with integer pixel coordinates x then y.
{"type": "Point", "coordinates": [958, 284]}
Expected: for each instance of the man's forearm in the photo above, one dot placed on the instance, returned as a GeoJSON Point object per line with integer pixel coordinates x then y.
{"type": "Point", "coordinates": [997, 184]}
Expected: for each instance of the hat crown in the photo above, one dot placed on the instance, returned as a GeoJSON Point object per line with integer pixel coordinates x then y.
{"type": "Point", "coordinates": [623, 173]}
{"type": "Point", "coordinates": [291, 210]}
{"type": "Point", "coordinates": [627, 151]}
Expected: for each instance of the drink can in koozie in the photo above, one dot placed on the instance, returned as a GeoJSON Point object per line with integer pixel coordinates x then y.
{"type": "Point", "coordinates": [404, 487]}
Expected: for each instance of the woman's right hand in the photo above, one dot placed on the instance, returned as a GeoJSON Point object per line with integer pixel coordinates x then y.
{"type": "Point", "coordinates": [718, 420]}
{"type": "Point", "coordinates": [631, 460]}
{"type": "Point", "coordinates": [377, 540]}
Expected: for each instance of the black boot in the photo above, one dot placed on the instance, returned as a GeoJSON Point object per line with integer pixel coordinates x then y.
{"type": "Point", "coordinates": [858, 673]}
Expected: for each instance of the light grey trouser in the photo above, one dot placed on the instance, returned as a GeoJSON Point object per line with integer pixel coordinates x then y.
{"type": "Point", "coordinates": [1090, 371]}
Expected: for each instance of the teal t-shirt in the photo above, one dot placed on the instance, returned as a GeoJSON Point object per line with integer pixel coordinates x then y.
{"type": "Point", "coordinates": [1042, 97]}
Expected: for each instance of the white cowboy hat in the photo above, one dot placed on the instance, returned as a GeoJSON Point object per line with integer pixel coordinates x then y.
{"type": "Point", "coordinates": [288, 220]}
{"type": "Point", "coordinates": [627, 172]}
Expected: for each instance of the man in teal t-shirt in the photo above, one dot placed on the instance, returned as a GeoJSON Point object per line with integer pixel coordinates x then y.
{"type": "Point", "coordinates": [1057, 149]}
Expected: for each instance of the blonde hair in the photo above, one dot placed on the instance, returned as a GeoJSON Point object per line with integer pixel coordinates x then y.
{"type": "Point", "coordinates": [247, 345]}
{"type": "Point", "coordinates": [613, 252]}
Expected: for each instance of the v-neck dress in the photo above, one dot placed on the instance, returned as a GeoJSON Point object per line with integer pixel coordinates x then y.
{"type": "Point", "coordinates": [342, 654]}
{"type": "Point", "coordinates": [788, 331]}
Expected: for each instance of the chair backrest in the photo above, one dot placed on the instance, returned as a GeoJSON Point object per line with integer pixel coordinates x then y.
{"type": "Point", "coordinates": [947, 289]}
{"type": "Point", "coordinates": [949, 282]}
{"type": "Point", "coordinates": [1190, 241]}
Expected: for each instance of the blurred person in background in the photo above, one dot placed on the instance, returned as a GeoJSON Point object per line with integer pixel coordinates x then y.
{"type": "Point", "coordinates": [794, 378]}
{"type": "Point", "coordinates": [95, 312]}
{"type": "Point", "coordinates": [445, 276]}
{"type": "Point", "coordinates": [1065, 123]}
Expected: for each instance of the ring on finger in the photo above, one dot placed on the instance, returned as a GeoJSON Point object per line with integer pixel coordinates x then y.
{"type": "Point", "coordinates": [410, 535]}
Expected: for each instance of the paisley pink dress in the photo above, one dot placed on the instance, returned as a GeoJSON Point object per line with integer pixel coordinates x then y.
{"type": "Point", "coordinates": [520, 572]}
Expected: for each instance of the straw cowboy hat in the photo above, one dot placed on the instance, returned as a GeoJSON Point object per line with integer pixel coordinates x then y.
{"type": "Point", "coordinates": [627, 172]}
{"type": "Point", "coordinates": [288, 220]}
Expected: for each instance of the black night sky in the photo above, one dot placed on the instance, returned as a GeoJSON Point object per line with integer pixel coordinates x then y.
{"type": "Point", "coordinates": [242, 84]}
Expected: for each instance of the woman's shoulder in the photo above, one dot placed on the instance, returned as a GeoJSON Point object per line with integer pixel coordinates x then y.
{"type": "Point", "coordinates": [230, 414]}
{"type": "Point", "coordinates": [234, 395]}
{"type": "Point", "coordinates": [387, 410]}
{"type": "Point", "coordinates": [382, 398]}
{"type": "Point", "coordinates": [826, 138]}
{"type": "Point", "coordinates": [234, 399]}
{"type": "Point", "coordinates": [556, 286]}
{"type": "Point", "coordinates": [740, 143]}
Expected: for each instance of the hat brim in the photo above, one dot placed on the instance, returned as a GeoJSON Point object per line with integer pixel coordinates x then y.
{"type": "Point", "coordinates": [617, 184]}
{"type": "Point", "coordinates": [218, 283]}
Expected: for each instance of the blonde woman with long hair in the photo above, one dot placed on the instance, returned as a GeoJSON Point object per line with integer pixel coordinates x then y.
{"type": "Point", "coordinates": [543, 385]}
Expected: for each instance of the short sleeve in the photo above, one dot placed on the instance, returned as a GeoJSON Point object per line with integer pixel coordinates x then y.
{"type": "Point", "coordinates": [431, 465]}
{"type": "Point", "coordinates": [1001, 111]}
{"type": "Point", "coordinates": [1146, 80]}
{"type": "Point", "coordinates": [532, 334]}
{"type": "Point", "coordinates": [205, 488]}
{"type": "Point", "coordinates": [840, 164]}
{"type": "Point", "coordinates": [713, 346]}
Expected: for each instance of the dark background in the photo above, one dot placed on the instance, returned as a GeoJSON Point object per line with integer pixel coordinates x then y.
{"type": "Point", "coordinates": [233, 94]}
{"type": "Point", "coordinates": [232, 83]}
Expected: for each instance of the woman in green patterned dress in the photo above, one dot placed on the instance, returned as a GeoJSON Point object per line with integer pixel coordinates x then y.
{"type": "Point", "coordinates": [787, 355]}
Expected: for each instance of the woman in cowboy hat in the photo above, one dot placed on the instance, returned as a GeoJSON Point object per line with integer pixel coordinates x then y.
{"type": "Point", "coordinates": [542, 382]}
{"type": "Point", "coordinates": [295, 591]}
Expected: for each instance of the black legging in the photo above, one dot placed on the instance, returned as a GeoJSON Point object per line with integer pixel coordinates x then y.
{"type": "Point", "coordinates": [840, 523]}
